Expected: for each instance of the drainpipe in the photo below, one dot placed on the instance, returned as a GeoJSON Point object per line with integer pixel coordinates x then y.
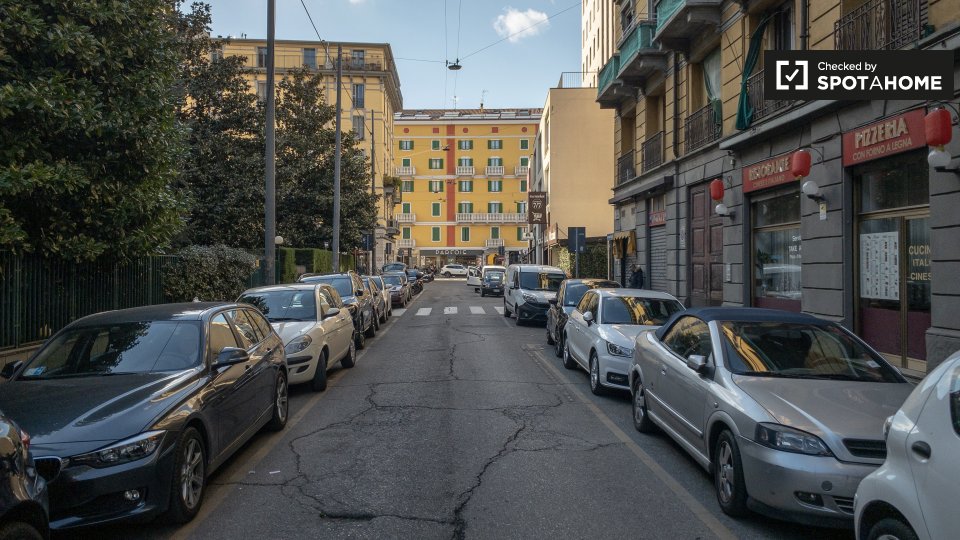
{"type": "Point", "coordinates": [676, 164]}
{"type": "Point", "coordinates": [804, 23]}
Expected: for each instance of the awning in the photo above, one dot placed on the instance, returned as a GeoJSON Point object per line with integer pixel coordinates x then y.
{"type": "Point", "coordinates": [624, 243]}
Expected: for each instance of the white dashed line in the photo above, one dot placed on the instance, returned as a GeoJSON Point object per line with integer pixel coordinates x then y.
{"type": "Point", "coordinates": [399, 311]}
{"type": "Point", "coordinates": [450, 310]}
{"type": "Point", "coordinates": [424, 311]}
{"type": "Point", "coordinates": [477, 310]}
{"type": "Point", "coordinates": [499, 309]}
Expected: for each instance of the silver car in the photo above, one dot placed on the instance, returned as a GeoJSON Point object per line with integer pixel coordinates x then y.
{"type": "Point", "coordinates": [786, 410]}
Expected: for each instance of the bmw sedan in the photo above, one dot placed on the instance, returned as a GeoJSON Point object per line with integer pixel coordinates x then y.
{"type": "Point", "coordinates": [138, 406]}
{"type": "Point", "coordinates": [785, 410]}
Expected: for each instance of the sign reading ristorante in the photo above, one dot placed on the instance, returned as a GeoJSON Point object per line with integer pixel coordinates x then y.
{"type": "Point", "coordinates": [890, 136]}
{"type": "Point", "coordinates": [769, 173]}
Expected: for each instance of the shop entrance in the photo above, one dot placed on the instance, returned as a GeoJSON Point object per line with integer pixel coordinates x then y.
{"type": "Point", "coordinates": [706, 250]}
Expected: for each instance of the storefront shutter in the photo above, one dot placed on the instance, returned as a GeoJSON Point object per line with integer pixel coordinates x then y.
{"type": "Point", "coordinates": [658, 259]}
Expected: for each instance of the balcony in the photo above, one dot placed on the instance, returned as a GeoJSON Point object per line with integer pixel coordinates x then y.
{"type": "Point", "coordinates": [610, 89]}
{"type": "Point", "coordinates": [680, 21]}
{"type": "Point", "coordinates": [406, 171]}
{"type": "Point", "coordinates": [512, 217]}
{"type": "Point", "coordinates": [520, 170]}
{"type": "Point", "coordinates": [762, 108]}
{"type": "Point", "coordinates": [465, 170]}
{"type": "Point", "coordinates": [405, 218]}
{"type": "Point", "coordinates": [652, 151]}
{"type": "Point", "coordinates": [701, 128]}
{"type": "Point", "coordinates": [406, 243]}
{"type": "Point", "coordinates": [494, 242]}
{"type": "Point", "coordinates": [879, 25]}
{"type": "Point", "coordinates": [639, 57]}
{"type": "Point", "coordinates": [495, 170]}
{"type": "Point", "coordinates": [625, 168]}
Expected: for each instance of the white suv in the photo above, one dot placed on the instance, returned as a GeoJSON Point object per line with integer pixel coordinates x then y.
{"type": "Point", "coordinates": [450, 270]}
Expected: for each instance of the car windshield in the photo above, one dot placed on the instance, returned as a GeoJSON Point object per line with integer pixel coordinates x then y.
{"type": "Point", "coordinates": [393, 280]}
{"type": "Point", "coordinates": [638, 310]}
{"type": "Point", "coordinates": [575, 291]}
{"type": "Point", "coordinates": [343, 285]}
{"type": "Point", "coordinates": [115, 349]}
{"type": "Point", "coordinates": [798, 350]}
{"type": "Point", "coordinates": [278, 306]}
{"type": "Point", "coordinates": [394, 267]}
{"type": "Point", "coordinates": [493, 276]}
{"type": "Point", "coordinates": [541, 281]}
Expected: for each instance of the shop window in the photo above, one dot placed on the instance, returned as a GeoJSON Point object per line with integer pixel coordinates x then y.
{"type": "Point", "coordinates": [776, 250]}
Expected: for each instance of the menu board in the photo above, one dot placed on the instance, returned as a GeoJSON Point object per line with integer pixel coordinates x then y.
{"type": "Point", "coordinates": [880, 266]}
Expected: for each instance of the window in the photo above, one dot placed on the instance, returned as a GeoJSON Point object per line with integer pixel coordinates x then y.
{"type": "Point", "coordinates": [262, 90]}
{"type": "Point", "coordinates": [465, 207]}
{"type": "Point", "coordinates": [781, 28]}
{"type": "Point", "coordinates": [216, 54]}
{"type": "Point", "coordinates": [464, 234]}
{"type": "Point", "coordinates": [436, 186]}
{"type": "Point", "coordinates": [637, 310]}
{"type": "Point", "coordinates": [494, 207]}
{"type": "Point", "coordinates": [521, 208]}
{"type": "Point", "coordinates": [248, 337]}
{"type": "Point", "coordinates": [261, 57]}
{"type": "Point", "coordinates": [435, 234]}
{"type": "Point", "coordinates": [405, 162]}
{"type": "Point", "coordinates": [310, 57]}
{"type": "Point", "coordinates": [465, 162]}
{"type": "Point", "coordinates": [524, 161]}
{"type": "Point", "coordinates": [465, 145]}
{"type": "Point", "coordinates": [406, 145]}
{"type": "Point", "coordinates": [687, 336]}
{"type": "Point", "coordinates": [494, 186]}
{"type": "Point", "coordinates": [357, 58]}
{"type": "Point", "coordinates": [495, 162]}
{"type": "Point", "coordinates": [494, 144]}
{"type": "Point", "coordinates": [465, 186]}
{"type": "Point", "coordinates": [406, 185]}
{"type": "Point", "coordinates": [589, 304]}
{"type": "Point", "coordinates": [358, 91]}
{"type": "Point", "coordinates": [494, 233]}
{"type": "Point", "coordinates": [263, 327]}
{"type": "Point", "coordinates": [405, 207]}
{"type": "Point", "coordinates": [776, 249]}
{"type": "Point", "coordinates": [358, 126]}
{"type": "Point", "coordinates": [524, 144]}
{"type": "Point", "coordinates": [435, 209]}
{"type": "Point", "coordinates": [406, 233]}
{"type": "Point", "coordinates": [523, 187]}
{"type": "Point", "coordinates": [521, 231]}
{"type": "Point", "coordinates": [435, 145]}
{"type": "Point", "coordinates": [436, 163]}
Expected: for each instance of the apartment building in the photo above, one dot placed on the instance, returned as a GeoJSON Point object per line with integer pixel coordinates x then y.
{"type": "Point", "coordinates": [598, 31]}
{"type": "Point", "coordinates": [703, 196]}
{"type": "Point", "coordinates": [464, 184]}
{"type": "Point", "coordinates": [370, 95]}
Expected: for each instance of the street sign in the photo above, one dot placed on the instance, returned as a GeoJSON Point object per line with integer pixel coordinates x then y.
{"type": "Point", "coordinates": [368, 242]}
{"type": "Point", "coordinates": [537, 208]}
{"type": "Point", "coordinates": [577, 239]}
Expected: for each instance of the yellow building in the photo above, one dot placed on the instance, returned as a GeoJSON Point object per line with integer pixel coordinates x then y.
{"type": "Point", "coordinates": [464, 183]}
{"type": "Point", "coordinates": [370, 95]}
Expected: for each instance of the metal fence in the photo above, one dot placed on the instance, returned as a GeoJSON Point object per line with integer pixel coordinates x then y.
{"type": "Point", "coordinates": [625, 168]}
{"type": "Point", "coordinates": [762, 107]}
{"type": "Point", "coordinates": [702, 127]}
{"type": "Point", "coordinates": [653, 151]}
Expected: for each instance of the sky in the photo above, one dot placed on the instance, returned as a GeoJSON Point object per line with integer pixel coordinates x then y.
{"type": "Point", "coordinates": [513, 73]}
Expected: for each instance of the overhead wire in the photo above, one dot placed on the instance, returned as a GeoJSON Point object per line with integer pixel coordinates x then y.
{"type": "Point", "coordinates": [456, 74]}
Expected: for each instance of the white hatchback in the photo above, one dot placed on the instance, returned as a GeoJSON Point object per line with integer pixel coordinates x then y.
{"type": "Point", "coordinates": [914, 494]}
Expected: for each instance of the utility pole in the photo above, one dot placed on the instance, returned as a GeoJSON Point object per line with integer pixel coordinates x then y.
{"type": "Point", "coordinates": [270, 188]}
{"type": "Point", "coordinates": [336, 167]}
{"type": "Point", "coordinates": [373, 186]}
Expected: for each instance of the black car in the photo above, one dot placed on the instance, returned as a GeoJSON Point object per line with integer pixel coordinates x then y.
{"type": "Point", "coordinates": [399, 288]}
{"type": "Point", "coordinates": [23, 488]}
{"type": "Point", "coordinates": [355, 296]}
{"type": "Point", "coordinates": [379, 303]}
{"type": "Point", "coordinates": [569, 295]}
{"type": "Point", "coordinates": [138, 406]}
{"type": "Point", "coordinates": [492, 283]}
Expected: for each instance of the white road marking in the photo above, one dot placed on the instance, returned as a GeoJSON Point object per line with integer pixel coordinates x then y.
{"type": "Point", "coordinates": [450, 310]}
{"type": "Point", "coordinates": [424, 311]}
{"type": "Point", "coordinates": [499, 309]}
{"type": "Point", "coordinates": [477, 310]}
{"type": "Point", "coordinates": [399, 311]}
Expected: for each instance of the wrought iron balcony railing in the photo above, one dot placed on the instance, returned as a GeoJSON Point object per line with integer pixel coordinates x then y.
{"type": "Point", "coordinates": [652, 151]}
{"type": "Point", "coordinates": [702, 127]}
{"type": "Point", "coordinates": [879, 25]}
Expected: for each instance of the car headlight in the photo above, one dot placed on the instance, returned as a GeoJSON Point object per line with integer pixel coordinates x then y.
{"type": "Point", "coordinates": [788, 439]}
{"type": "Point", "coordinates": [126, 451]}
{"type": "Point", "coordinates": [298, 344]}
{"type": "Point", "coordinates": [617, 350]}
{"type": "Point", "coordinates": [529, 298]}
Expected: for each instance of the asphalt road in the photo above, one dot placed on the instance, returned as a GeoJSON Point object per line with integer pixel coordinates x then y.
{"type": "Point", "coordinates": [458, 424]}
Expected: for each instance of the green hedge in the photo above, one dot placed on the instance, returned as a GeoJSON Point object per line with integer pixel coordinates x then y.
{"type": "Point", "coordinates": [208, 273]}
{"type": "Point", "coordinates": [311, 260]}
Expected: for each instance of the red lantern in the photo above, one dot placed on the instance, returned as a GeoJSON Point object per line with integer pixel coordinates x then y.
{"type": "Point", "coordinates": [800, 164]}
{"type": "Point", "coordinates": [937, 127]}
{"type": "Point", "coordinates": [716, 190]}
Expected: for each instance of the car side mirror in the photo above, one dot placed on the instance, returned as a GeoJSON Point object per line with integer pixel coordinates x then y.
{"type": "Point", "coordinates": [552, 301]}
{"type": "Point", "coordinates": [697, 362]}
{"type": "Point", "coordinates": [332, 312]}
{"type": "Point", "coordinates": [588, 317]}
{"type": "Point", "coordinates": [10, 368]}
{"type": "Point", "coordinates": [230, 356]}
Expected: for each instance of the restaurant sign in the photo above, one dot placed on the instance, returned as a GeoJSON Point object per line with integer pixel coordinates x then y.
{"type": "Point", "coordinates": [769, 173]}
{"type": "Point", "coordinates": [537, 208]}
{"type": "Point", "coordinates": [893, 135]}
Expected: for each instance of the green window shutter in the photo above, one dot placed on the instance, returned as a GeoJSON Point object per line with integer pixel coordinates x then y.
{"type": "Point", "coordinates": [436, 209]}
{"type": "Point", "coordinates": [406, 207]}
{"type": "Point", "coordinates": [523, 185]}
{"type": "Point", "coordinates": [519, 233]}
{"type": "Point", "coordinates": [410, 144]}
{"type": "Point", "coordinates": [495, 233]}
{"type": "Point", "coordinates": [524, 162]}
{"type": "Point", "coordinates": [435, 234]}
{"type": "Point", "coordinates": [465, 234]}
{"type": "Point", "coordinates": [406, 233]}
{"type": "Point", "coordinates": [524, 144]}
{"type": "Point", "coordinates": [435, 145]}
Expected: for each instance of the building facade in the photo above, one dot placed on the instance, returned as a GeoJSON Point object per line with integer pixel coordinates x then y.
{"type": "Point", "coordinates": [571, 163]}
{"type": "Point", "coordinates": [878, 248]}
{"type": "Point", "coordinates": [370, 95]}
{"type": "Point", "coordinates": [464, 184]}
{"type": "Point", "coordinates": [598, 24]}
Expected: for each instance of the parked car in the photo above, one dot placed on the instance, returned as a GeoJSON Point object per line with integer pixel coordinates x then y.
{"type": "Point", "coordinates": [473, 278]}
{"type": "Point", "coordinates": [413, 277]}
{"type": "Point", "coordinates": [492, 280]}
{"type": "Point", "coordinates": [380, 306]}
{"type": "Point", "coordinates": [384, 292]}
{"type": "Point", "coordinates": [784, 409]}
{"type": "Point", "coordinates": [913, 494]}
{"type": "Point", "coordinates": [399, 286]}
{"type": "Point", "coordinates": [450, 270]}
{"type": "Point", "coordinates": [394, 267]}
{"type": "Point", "coordinates": [316, 329]}
{"type": "Point", "coordinates": [600, 333]}
{"type": "Point", "coordinates": [351, 290]}
{"type": "Point", "coordinates": [476, 280]}
{"type": "Point", "coordinates": [529, 289]}
{"type": "Point", "coordinates": [568, 296]}
{"type": "Point", "coordinates": [23, 491]}
{"type": "Point", "coordinates": [140, 405]}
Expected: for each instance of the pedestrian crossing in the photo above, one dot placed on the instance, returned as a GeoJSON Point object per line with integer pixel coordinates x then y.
{"type": "Point", "coordinates": [452, 310]}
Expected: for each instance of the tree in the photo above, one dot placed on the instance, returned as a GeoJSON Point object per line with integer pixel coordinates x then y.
{"type": "Point", "coordinates": [90, 141]}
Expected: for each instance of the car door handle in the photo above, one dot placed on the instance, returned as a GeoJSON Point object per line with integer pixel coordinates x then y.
{"type": "Point", "coordinates": [921, 449]}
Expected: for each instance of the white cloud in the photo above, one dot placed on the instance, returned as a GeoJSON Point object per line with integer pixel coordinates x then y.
{"type": "Point", "coordinates": [357, 1]}
{"type": "Point", "coordinates": [520, 24]}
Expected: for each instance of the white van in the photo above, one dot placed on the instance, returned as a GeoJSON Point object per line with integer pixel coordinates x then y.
{"type": "Point", "coordinates": [529, 289]}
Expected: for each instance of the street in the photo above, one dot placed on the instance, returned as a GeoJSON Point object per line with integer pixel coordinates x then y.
{"type": "Point", "coordinates": [458, 424]}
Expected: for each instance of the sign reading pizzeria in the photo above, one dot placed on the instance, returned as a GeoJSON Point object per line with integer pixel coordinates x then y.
{"type": "Point", "coordinates": [769, 173]}
{"type": "Point", "coordinates": [893, 135]}
{"type": "Point", "coordinates": [537, 208]}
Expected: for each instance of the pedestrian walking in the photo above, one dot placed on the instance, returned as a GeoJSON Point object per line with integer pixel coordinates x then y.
{"type": "Point", "coordinates": [636, 277]}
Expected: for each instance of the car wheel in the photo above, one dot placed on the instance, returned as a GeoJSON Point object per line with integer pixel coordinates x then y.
{"type": "Point", "coordinates": [506, 311]}
{"type": "Point", "coordinates": [350, 359]}
{"type": "Point", "coordinates": [550, 340]}
{"type": "Point", "coordinates": [558, 346]}
{"type": "Point", "coordinates": [19, 530]}
{"type": "Point", "coordinates": [446, 274]}
{"type": "Point", "coordinates": [383, 316]}
{"type": "Point", "coordinates": [189, 477]}
{"type": "Point", "coordinates": [595, 386]}
{"type": "Point", "coordinates": [319, 382]}
{"type": "Point", "coordinates": [281, 404]}
{"type": "Point", "coordinates": [891, 528]}
{"type": "Point", "coordinates": [728, 476]}
{"type": "Point", "coordinates": [371, 330]}
{"type": "Point", "coordinates": [482, 294]}
{"type": "Point", "coordinates": [641, 419]}
{"type": "Point", "coordinates": [376, 322]}
{"type": "Point", "coordinates": [359, 340]}
{"type": "Point", "coordinates": [568, 361]}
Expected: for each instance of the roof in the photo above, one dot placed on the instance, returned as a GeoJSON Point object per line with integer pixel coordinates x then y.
{"type": "Point", "coordinates": [743, 314]}
{"type": "Point", "coordinates": [529, 113]}
{"type": "Point", "coordinates": [183, 311]}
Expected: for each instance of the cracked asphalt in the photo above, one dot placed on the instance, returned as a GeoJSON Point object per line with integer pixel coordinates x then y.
{"type": "Point", "coordinates": [460, 426]}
